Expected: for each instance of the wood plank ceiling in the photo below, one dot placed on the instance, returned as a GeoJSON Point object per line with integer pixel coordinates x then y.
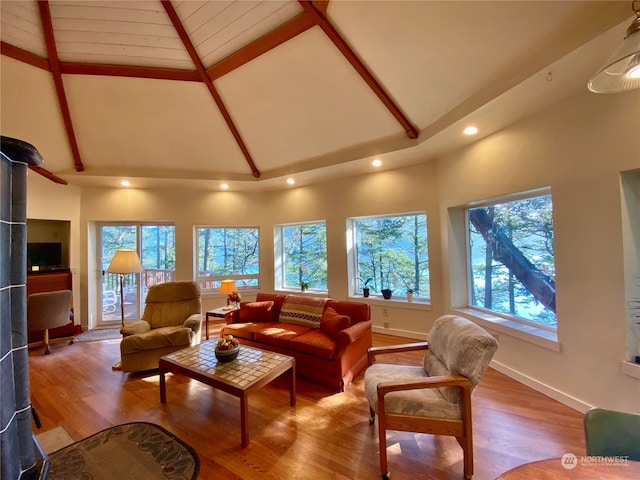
{"type": "Point", "coordinates": [243, 90]}
{"type": "Point", "coordinates": [285, 16]}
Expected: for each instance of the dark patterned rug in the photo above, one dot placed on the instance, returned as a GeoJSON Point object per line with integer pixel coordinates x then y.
{"type": "Point", "coordinates": [141, 451]}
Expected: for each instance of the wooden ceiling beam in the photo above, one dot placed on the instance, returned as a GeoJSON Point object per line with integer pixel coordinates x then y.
{"type": "Point", "coordinates": [182, 33]}
{"type": "Point", "coordinates": [326, 26]}
{"type": "Point", "coordinates": [24, 56]}
{"type": "Point", "coordinates": [156, 73]}
{"type": "Point", "coordinates": [262, 45]}
{"type": "Point", "coordinates": [52, 52]}
{"type": "Point", "coordinates": [321, 6]}
{"type": "Point", "coordinates": [47, 174]}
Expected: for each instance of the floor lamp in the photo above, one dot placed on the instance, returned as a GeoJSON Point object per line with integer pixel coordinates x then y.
{"type": "Point", "coordinates": [124, 262]}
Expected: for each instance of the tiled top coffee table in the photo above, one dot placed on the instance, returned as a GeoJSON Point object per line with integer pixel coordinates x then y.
{"type": "Point", "coordinates": [250, 371]}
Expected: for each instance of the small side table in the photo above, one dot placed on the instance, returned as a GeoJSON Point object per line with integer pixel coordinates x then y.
{"type": "Point", "coordinates": [221, 312]}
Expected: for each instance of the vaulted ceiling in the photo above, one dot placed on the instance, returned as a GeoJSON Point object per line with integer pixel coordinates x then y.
{"type": "Point", "coordinates": [192, 93]}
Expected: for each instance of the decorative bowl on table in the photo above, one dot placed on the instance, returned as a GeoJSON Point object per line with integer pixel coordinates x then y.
{"type": "Point", "coordinates": [227, 348]}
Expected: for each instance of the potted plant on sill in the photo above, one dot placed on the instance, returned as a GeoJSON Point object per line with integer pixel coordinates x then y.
{"type": "Point", "coordinates": [366, 288]}
{"type": "Point", "coordinates": [304, 286]}
{"type": "Point", "coordinates": [409, 295]}
{"type": "Point", "coordinates": [386, 292]}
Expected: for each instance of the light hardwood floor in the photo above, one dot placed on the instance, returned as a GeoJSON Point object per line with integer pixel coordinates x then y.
{"type": "Point", "coordinates": [326, 435]}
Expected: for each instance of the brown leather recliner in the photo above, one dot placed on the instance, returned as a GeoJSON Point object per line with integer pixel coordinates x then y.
{"type": "Point", "coordinates": [171, 321]}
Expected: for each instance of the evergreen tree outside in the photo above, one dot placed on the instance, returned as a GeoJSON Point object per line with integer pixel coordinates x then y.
{"type": "Point", "coordinates": [392, 251]}
{"type": "Point", "coordinates": [512, 259]}
{"type": "Point", "coordinates": [230, 252]}
{"type": "Point", "coordinates": [304, 249]}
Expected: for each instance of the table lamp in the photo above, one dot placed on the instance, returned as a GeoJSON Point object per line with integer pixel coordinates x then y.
{"type": "Point", "coordinates": [228, 287]}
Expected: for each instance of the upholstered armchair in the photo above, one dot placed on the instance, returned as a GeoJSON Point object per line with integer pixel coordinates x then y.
{"type": "Point", "coordinates": [171, 321]}
{"type": "Point", "coordinates": [609, 433]}
{"type": "Point", "coordinates": [434, 398]}
{"type": "Point", "coordinates": [48, 310]}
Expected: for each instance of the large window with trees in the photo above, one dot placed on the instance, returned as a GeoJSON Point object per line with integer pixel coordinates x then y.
{"type": "Point", "coordinates": [390, 252]}
{"type": "Point", "coordinates": [227, 252]}
{"type": "Point", "coordinates": [511, 262]}
{"type": "Point", "coordinates": [301, 256]}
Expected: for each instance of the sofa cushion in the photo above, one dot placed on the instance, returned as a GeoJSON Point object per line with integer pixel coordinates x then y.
{"type": "Point", "coordinates": [255, 312]}
{"type": "Point", "coordinates": [279, 334]}
{"type": "Point", "coordinates": [316, 342]}
{"type": "Point", "coordinates": [358, 312]}
{"type": "Point", "coordinates": [305, 311]}
{"type": "Point", "coordinates": [244, 330]}
{"type": "Point", "coordinates": [333, 323]}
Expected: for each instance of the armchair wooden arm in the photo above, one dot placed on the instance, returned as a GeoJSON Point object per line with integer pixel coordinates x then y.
{"type": "Point", "coordinates": [430, 382]}
{"type": "Point", "coordinates": [405, 347]}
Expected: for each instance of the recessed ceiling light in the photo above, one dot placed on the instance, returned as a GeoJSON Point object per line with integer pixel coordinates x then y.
{"type": "Point", "coordinates": [125, 183]}
{"type": "Point", "coordinates": [291, 181]}
{"type": "Point", "coordinates": [376, 163]}
{"type": "Point", "coordinates": [224, 186]}
{"type": "Point", "coordinates": [470, 130]}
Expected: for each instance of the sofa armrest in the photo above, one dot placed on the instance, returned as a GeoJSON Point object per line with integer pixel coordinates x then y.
{"type": "Point", "coordinates": [193, 322]}
{"type": "Point", "coordinates": [354, 332]}
{"type": "Point", "coordinates": [135, 327]}
{"type": "Point", "coordinates": [233, 316]}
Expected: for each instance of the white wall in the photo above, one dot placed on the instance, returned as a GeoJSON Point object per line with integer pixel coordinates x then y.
{"type": "Point", "coordinates": [578, 148]}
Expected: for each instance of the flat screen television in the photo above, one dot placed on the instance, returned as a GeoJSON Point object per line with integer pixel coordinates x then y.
{"type": "Point", "coordinates": [44, 256]}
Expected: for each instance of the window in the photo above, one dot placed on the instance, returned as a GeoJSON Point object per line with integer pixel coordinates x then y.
{"type": "Point", "coordinates": [227, 252]}
{"type": "Point", "coordinates": [301, 256]}
{"type": "Point", "coordinates": [510, 260]}
{"type": "Point", "coordinates": [390, 252]}
{"type": "Point", "coordinates": [630, 182]}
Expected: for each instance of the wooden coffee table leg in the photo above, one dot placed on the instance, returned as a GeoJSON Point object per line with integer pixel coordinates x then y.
{"type": "Point", "coordinates": [244, 419]}
{"type": "Point", "coordinates": [163, 385]}
{"type": "Point", "coordinates": [292, 372]}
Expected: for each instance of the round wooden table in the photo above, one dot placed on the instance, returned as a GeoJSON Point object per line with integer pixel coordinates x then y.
{"type": "Point", "coordinates": [584, 468]}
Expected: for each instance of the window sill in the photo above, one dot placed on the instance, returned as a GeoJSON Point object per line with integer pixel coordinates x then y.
{"type": "Point", "coordinates": [537, 336]}
{"type": "Point", "coordinates": [311, 292]}
{"type": "Point", "coordinates": [399, 302]}
{"type": "Point", "coordinates": [631, 369]}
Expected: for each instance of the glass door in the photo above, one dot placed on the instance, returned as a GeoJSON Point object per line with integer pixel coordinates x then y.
{"type": "Point", "coordinates": [112, 238]}
{"type": "Point", "coordinates": [155, 244]}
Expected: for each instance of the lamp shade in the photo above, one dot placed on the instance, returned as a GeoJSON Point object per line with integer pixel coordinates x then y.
{"type": "Point", "coordinates": [125, 261]}
{"type": "Point", "coordinates": [228, 286]}
{"type": "Point", "coordinates": [621, 71]}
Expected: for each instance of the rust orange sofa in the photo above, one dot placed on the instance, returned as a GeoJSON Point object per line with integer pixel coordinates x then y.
{"type": "Point", "coordinates": [328, 338]}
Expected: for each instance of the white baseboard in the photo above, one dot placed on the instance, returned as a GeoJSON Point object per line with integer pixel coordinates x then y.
{"type": "Point", "coordinates": [399, 333]}
{"type": "Point", "coordinates": [538, 386]}
{"type": "Point", "coordinates": [551, 392]}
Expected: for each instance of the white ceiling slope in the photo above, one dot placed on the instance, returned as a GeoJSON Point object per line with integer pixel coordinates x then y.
{"type": "Point", "coordinates": [139, 105]}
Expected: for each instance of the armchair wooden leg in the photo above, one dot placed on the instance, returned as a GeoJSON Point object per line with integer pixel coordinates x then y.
{"type": "Point", "coordinates": [467, 449]}
{"type": "Point", "coordinates": [45, 342]}
{"type": "Point", "coordinates": [466, 440]}
{"type": "Point", "coordinates": [382, 440]}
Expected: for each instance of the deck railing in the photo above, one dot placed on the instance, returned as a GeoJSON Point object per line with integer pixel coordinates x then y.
{"type": "Point", "coordinates": [151, 277]}
{"type": "Point", "coordinates": [111, 303]}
